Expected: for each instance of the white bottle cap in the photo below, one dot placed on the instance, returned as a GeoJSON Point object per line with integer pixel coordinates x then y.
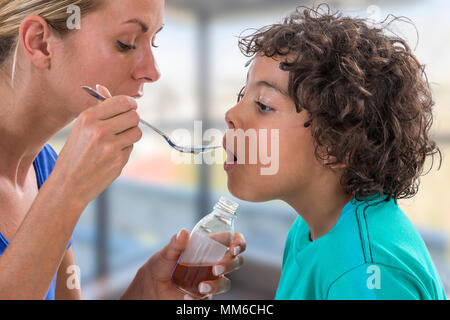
{"type": "Point", "coordinates": [227, 205]}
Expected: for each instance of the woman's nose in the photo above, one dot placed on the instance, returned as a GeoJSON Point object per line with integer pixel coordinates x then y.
{"type": "Point", "coordinates": [147, 70]}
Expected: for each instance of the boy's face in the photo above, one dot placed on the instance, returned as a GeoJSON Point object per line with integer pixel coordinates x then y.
{"type": "Point", "coordinates": [265, 104]}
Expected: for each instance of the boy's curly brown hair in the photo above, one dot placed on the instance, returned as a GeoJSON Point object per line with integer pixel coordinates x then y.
{"type": "Point", "coordinates": [367, 96]}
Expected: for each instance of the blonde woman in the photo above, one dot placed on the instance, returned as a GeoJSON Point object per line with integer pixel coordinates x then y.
{"type": "Point", "coordinates": [43, 63]}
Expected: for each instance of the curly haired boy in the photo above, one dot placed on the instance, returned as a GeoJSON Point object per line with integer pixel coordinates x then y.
{"type": "Point", "coordinates": [353, 110]}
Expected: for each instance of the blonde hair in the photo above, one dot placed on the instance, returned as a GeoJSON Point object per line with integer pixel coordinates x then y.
{"type": "Point", "coordinates": [13, 12]}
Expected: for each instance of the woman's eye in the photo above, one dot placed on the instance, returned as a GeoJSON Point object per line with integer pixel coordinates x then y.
{"type": "Point", "coordinates": [263, 107]}
{"type": "Point", "coordinates": [153, 44]}
{"type": "Point", "coordinates": [125, 47]}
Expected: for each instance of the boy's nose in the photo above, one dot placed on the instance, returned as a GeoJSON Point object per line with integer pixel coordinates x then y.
{"type": "Point", "coordinates": [229, 118]}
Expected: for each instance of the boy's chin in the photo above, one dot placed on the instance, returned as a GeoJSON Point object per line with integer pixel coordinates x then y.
{"type": "Point", "coordinates": [247, 194]}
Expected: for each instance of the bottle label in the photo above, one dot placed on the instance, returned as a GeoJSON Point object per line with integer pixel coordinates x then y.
{"type": "Point", "coordinates": [203, 250]}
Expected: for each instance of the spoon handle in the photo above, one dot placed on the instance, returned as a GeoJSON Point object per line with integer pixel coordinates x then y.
{"type": "Point", "coordinates": [97, 95]}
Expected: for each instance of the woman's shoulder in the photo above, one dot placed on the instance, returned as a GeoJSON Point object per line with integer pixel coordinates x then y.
{"type": "Point", "coordinates": [44, 163]}
{"type": "Point", "coordinates": [48, 151]}
{"type": "Point", "coordinates": [47, 156]}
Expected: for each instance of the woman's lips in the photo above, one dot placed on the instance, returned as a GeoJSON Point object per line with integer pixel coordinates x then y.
{"type": "Point", "coordinates": [138, 94]}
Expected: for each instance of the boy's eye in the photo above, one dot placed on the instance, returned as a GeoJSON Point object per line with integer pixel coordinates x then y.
{"type": "Point", "coordinates": [241, 94]}
{"type": "Point", "coordinates": [125, 47]}
{"type": "Point", "coordinates": [263, 107]}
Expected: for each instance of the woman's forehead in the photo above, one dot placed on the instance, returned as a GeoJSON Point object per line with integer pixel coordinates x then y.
{"type": "Point", "coordinates": [145, 13]}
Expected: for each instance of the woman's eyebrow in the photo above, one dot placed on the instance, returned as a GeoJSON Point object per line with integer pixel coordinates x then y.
{"type": "Point", "coordinates": [143, 26]}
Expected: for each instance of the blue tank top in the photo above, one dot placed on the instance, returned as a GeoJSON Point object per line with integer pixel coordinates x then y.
{"type": "Point", "coordinates": [43, 165]}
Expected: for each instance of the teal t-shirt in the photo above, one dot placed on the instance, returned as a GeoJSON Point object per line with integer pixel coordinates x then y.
{"type": "Point", "coordinates": [372, 252]}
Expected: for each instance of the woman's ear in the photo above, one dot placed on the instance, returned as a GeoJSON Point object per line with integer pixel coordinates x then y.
{"type": "Point", "coordinates": [35, 35]}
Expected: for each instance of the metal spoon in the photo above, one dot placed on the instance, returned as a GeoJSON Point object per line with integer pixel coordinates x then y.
{"type": "Point", "coordinates": [194, 150]}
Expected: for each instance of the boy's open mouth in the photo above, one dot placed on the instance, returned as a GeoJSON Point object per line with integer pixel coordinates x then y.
{"type": "Point", "coordinates": [231, 156]}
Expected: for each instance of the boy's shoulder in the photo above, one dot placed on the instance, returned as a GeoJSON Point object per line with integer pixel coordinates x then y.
{"type": "Point", "coordinates": [388, 236]}
{"type": "Point", "coordinates": [363, 238]}
{"type": "Point", "coordinates": [389, 244]}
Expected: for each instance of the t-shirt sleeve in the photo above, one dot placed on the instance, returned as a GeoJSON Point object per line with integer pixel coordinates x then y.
{"type": "Point", "coordinates": [377, 282]}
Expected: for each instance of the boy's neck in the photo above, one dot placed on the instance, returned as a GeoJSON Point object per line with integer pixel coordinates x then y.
{"type": "Point", "coordinates": [320, 207]}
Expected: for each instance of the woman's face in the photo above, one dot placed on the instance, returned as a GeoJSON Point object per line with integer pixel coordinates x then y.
{"type": "Point", "coordinates": [114, 47]}
{"type": "Point", "coordinates": [265, 104]}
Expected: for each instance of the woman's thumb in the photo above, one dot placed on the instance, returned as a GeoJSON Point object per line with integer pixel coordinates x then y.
{"type": "Point", "coordinates": [104, 91]}
{"type": "Point", "coordinates": [174, 249]}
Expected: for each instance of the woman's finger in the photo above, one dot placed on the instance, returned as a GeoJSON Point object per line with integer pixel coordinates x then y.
{"type": "Point", "coordinates": [123, 122]}
{"type": "Point", "coordinates": [238, 244]}
{"type": "Point", "coordinates": [220, 285]}
{"type": "Point", "coordinates": [227, 265]}
{"type": "Point", "coordinates": [189, 297]}
{"type": "Point", "coordinates": [171, 253]}
{"type": "Point", "coordinates": [113, 107]}
{"type": "Point", "coordinates": [129, 137]}
{"type": "Point", "coordinates": [103, 91]}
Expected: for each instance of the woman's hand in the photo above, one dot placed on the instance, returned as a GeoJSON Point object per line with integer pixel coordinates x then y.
{"type": "Point", "coordinates": [98, 148]}
{"type": "Point", "coordinates": [153, 280]}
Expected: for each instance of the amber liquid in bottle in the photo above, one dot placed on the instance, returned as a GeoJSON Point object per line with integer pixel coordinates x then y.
{"type": "Point", "coordinates": [187, 277]}
{"type": "Point", "coordinates": [208, 244]}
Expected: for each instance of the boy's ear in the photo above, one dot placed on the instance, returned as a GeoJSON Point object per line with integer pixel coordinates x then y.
{"type": "Point", "coordinates": [332, 159]}
{"type": "Point", "coordinates": [336, 166]}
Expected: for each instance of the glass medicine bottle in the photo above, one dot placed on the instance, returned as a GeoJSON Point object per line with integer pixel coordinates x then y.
{"type": "Point", "coordinates": [209, 243]}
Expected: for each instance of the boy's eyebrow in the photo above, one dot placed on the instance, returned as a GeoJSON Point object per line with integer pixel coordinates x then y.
{"type": "Point", "coordinates": [272, 85]}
